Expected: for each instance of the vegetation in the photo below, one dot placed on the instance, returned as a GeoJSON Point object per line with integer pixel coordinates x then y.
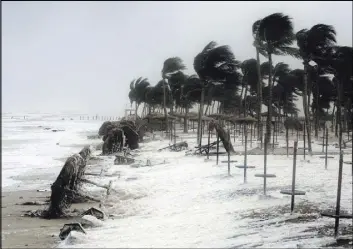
{"type": "Point", "coordinates": [223, 85]}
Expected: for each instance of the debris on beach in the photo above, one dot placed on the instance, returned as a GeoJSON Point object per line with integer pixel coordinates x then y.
{"type": "Point", "coordinates": [99, 214]}
{"type": "Point", "coordinates": [32, 203]}
{"type": "Point", "coordinates": [67, 228]}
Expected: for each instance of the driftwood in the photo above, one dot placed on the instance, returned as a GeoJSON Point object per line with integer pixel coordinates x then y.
{"type": "Point", "coordinates": [66, 185]}
{"type": "Point", "coordinates": [176, 147]}
{"type": "Point", "coordinates": [223, 135]}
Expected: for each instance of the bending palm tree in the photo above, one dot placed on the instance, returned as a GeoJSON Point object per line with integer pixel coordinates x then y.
{"type": "Point", "coordinates": [276, 35]}
{"type": "Point", "coordinates": [259, 47]}
{"type": "Point", "coordinates": [213, 64]}
{"type": "Point", "coordinates": [137, 92]}
{"type": "Point", "coordinates": [170, 66]}
{"type": "Point", "coordinates": [312, 44]}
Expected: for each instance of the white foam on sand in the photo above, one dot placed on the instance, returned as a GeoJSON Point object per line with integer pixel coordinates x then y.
{"type": "Point", "coordinates": [189, 202]}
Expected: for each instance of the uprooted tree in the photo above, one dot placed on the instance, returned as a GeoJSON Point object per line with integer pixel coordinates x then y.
{"type": "Point", "coordinates": [114, 133]}
{"type": "Point", "coordinates": [67, 185]}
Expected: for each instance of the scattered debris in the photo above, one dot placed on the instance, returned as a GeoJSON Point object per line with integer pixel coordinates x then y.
{"type": "Point", "coordinates": [95, 212]}
{"type": "Point", "coordinates": [67, 228]}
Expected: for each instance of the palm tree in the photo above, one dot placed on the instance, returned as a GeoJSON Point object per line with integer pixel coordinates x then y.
{"type": "Point", "coordinates": [259, 49]}
{"type": "Point", "coordinates": [250, 78]}
{"type": "Point", "coordinates": [170, 66]}
{"type": "Point", "coordinates": [341, 63]}
{"type": "Point", "coordinates": [137, 92]}
{"type": "Point", "coordinates": [312, 44]}
{"type": "Point", "coordinates": [276, 35]}
{"type": "Point", "coordinates": [213, 64]}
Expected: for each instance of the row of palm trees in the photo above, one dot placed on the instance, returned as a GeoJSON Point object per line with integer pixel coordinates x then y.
{"type": "Point", "coordinates": [240, 88]}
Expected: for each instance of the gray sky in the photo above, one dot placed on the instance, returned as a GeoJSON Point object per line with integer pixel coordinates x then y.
{"type": "Point", "coordinates": [81, 56]}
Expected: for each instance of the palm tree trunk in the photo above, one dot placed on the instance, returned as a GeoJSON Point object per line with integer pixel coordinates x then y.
{"type": "Point", "coordinates": [259, 93]}
{"type": "Point", "coordinates": [165, 106]}
{"type": "Point", "coordinates": [317, 111]}
{"type": "Point", "coordinates": [241, 96]}
{"type": "Point", "coordinates": [333, 116]}
{"type": "Point", "coordinates": [136, 108]}
{"type": "Point", "coordinates": [269, 111]}
{"type": "Point", "coordinates": [143, 110]}
{"type": "Point", "coordinates": [339, 115]}
{"type": "Point", "coordinates": [245, 98]}
{"type": "Point", "coordinates": [186, 120]}
{"type": "Point", "coordinates": [306, 107]}
{"type": "Point", "coordinates": [199, 134]}
{"type": "Point", "coordinates": [206, 109]}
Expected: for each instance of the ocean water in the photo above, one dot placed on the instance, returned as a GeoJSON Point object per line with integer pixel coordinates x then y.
{"type": "Point", "coordinates": [32, 154]}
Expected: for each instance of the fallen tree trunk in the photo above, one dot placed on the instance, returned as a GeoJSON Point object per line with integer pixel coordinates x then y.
{"type": "Point", "coordinates": [65, 187]}
{"type": "Point", "coordinates": [223, 135]}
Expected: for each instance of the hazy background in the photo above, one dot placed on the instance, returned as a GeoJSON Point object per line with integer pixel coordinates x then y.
{"type": "Point", "coordinates": [81, 56]}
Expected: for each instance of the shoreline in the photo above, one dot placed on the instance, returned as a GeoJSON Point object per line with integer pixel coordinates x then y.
{"type": "Point", "coordinates": [27, 232]}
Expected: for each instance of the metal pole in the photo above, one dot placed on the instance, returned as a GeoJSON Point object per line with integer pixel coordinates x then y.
{"type": "Point", "coordinates": [338, 202]}
{"type": "Point", "coordinates": [293, 175]}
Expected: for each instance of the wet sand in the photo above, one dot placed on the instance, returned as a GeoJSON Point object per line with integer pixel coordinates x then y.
{"type": "Point", "coordinates": [22, 232]}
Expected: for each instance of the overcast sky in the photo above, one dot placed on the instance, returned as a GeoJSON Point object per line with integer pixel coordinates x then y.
{"type": "Point", "coordinates": [81, 56]}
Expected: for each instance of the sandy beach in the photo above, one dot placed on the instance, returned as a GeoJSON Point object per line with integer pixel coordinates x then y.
{"type": "Point", "coordinates": [19, 231]}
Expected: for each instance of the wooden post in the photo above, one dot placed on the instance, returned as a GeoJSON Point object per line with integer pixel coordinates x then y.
{"type": "Point", "coordinates": [338, 201]}
{"type": "Point", "coordinates": [293, 175]}
{"type": "Point", "coordinates": [326, 147]}
{"type": "Point", "coordinates": [217, 146]}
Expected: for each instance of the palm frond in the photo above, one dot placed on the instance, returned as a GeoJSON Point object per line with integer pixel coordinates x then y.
{"type": "Point", "coordinates": [209, 46]}
{"type": "Point", "coordinates": [283, 50]}
{"type": "Point", "coordinates": [276, 30]}
{"type": "Point", "coordinates": [215, 63]}
{"type": "Point", "coordinates": [172, 65]}
{"type": "Point", "coordinates": [255, 28]}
